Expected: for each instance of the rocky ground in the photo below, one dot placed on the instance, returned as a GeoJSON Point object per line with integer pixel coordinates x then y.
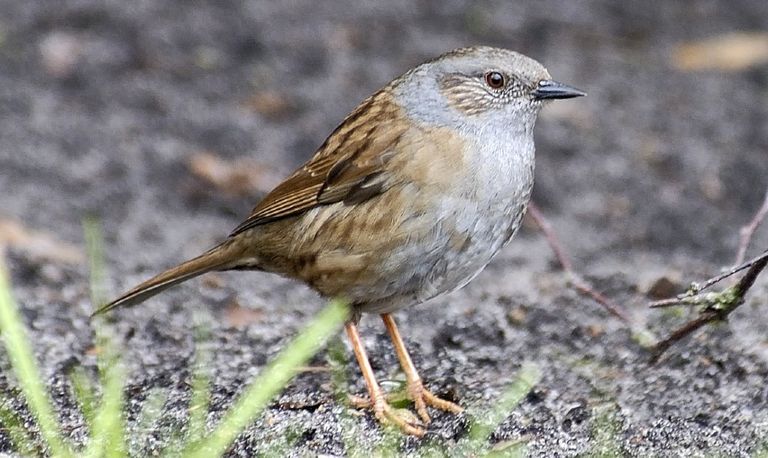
{"type": "Point", "coordinates": [167, 120]}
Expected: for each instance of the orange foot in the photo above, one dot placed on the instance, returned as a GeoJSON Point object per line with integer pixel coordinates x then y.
{"type": "Point", "coordinates": [386, 414]}
{"type": "Point", "coordinates": [420, 396]}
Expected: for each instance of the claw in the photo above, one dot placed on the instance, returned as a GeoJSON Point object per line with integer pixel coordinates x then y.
{"type": "Point", "coordinates": [420, 396]}
{"type": "Point", "coordinates": [386, 414]}
{"type": "Point", "coordinates": [415, 391]}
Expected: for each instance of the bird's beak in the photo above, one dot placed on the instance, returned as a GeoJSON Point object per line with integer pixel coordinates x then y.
{"type": "Point", "coordinates": [549, 89]}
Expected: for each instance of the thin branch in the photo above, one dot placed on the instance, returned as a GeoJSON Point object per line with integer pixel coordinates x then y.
{"type": "Point", "coordinates": [678, 334]}
{"type": "Point", "coordinates": [575, 280]}
{"type": "Point", "coordinates": [550, 236]}
{"type": "Point", "coordinates": [746, 232]}
{"type": "Point", "coordinates": [717, 307]}
{"type": "Point", "coordinates": [690, 297]}
{"type": "Point", "coordinates": [749, 278]}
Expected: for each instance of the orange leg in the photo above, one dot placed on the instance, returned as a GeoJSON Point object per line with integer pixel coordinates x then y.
{"type": "Point", "coordinates": [420, 396]}
{"type": "Point", "coordinates": [383, 411]}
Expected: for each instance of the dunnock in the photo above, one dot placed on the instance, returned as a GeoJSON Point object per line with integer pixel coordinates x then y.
{"type": "Point", "coordinates": [409, 198]}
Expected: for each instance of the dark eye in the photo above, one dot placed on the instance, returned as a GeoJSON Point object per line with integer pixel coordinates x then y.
{"type": "Point", "coordinates": [494, 79]}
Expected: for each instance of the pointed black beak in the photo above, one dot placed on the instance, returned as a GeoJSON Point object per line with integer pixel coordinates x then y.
{"type": "Point", "coordinates": [549, 89]}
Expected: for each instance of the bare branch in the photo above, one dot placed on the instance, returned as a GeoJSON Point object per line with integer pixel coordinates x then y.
{"type": "Point", "coordinates": [575, 280]}
{"type": "Point", "coordinates": [690, 297]}
{"type": "Point", "coordinates": [551, 237]}
{"type": "Point", "coordinates": [717, 306]}
{"type": "Point", "coordinates": [746, 232]}
{"type": "Point", "coordinates": [681, 332]}
{"type": "Point", "coordinates": [749, 278]}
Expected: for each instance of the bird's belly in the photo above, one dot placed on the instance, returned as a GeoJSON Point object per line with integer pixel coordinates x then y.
{"type": "Point", "coordinates": [463, 239]}
{"type": "Point", "coordinates": [414, 250]}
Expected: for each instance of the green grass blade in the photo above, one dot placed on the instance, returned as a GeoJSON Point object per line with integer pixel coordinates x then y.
{"type": "Point", "coordinates": [108, 431]}
{"type": "Point", "coordinates": [200, 396]}
{"type": "Point", "coordinates": [24, 365]}
{"type": "Point", "coordinates": [151, 412]}
{"type": "Point", "coordinates": [526, 379]}
{"type": "Point", "coordinates": [84, 394]}
{"type": "Point", "coordinates": [271, 381]}
{"type": "Point", "coordinates": [95, 247]}
{"type": "Point", "coordinates": [198, 404]}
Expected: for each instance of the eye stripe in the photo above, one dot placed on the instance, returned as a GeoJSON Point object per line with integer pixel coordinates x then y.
{"type": "Point", "coordinates": [472, 95]}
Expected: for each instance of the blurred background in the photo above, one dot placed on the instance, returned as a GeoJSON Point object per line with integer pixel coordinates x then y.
{"type": "Point", "coordinates": [168, 120]}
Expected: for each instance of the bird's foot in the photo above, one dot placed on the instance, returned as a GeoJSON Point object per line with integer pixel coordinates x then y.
{"type": "Point", "coordinates": [385, 413]}
{"type": "Point", "coordinates": [420, 396]}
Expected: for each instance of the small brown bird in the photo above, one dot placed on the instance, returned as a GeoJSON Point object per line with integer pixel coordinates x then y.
{"type": "Point", "coordinates": [409, 198]}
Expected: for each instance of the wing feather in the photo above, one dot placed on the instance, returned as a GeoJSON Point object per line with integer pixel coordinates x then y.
{"type": "Point", "coordinates": [356, 152]}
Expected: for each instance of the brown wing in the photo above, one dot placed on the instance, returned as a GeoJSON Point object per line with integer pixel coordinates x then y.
{"type": "Point", "coordinates": [349, 166]}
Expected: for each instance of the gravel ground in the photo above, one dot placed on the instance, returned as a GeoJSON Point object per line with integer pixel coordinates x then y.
{"type": "Point", "coordinates": [127, 110]}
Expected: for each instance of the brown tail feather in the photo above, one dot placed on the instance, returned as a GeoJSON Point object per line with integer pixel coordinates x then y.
{"type": "Point", "coordinates": [214, 259]}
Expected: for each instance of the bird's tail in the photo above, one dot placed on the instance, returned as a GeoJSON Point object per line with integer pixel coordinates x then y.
{"type": "Point", "coordinates": [214, 259]}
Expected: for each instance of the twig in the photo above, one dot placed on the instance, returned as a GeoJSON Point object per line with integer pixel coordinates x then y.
{"type": "Point", "coordinates": [689, 327]}
{"type": "Point", "coordinates": [578, 283]}
{"type": "Point", "coordinates": [746, 232]}
{"type": "Point", "coordinates": [717, 306]}
{"type": "Point", "coordinates": [749, 278]}
{"type": "Point", "coordinates": [690, 297]}
{"type": "Point", "coordinates": [550, 236]}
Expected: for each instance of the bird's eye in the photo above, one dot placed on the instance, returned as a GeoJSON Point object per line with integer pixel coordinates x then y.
{"type": "Point", "coordinates": [494, 80]}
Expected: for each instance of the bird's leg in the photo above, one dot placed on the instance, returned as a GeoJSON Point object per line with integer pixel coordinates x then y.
{"type": "Point", "coordinates": [420, 396]}
{"type": "Point", "coordinates": [383, 411]}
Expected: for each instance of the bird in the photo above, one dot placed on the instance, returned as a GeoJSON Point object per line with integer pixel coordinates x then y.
{"type": "Point", "coordinates": [409, 198]}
